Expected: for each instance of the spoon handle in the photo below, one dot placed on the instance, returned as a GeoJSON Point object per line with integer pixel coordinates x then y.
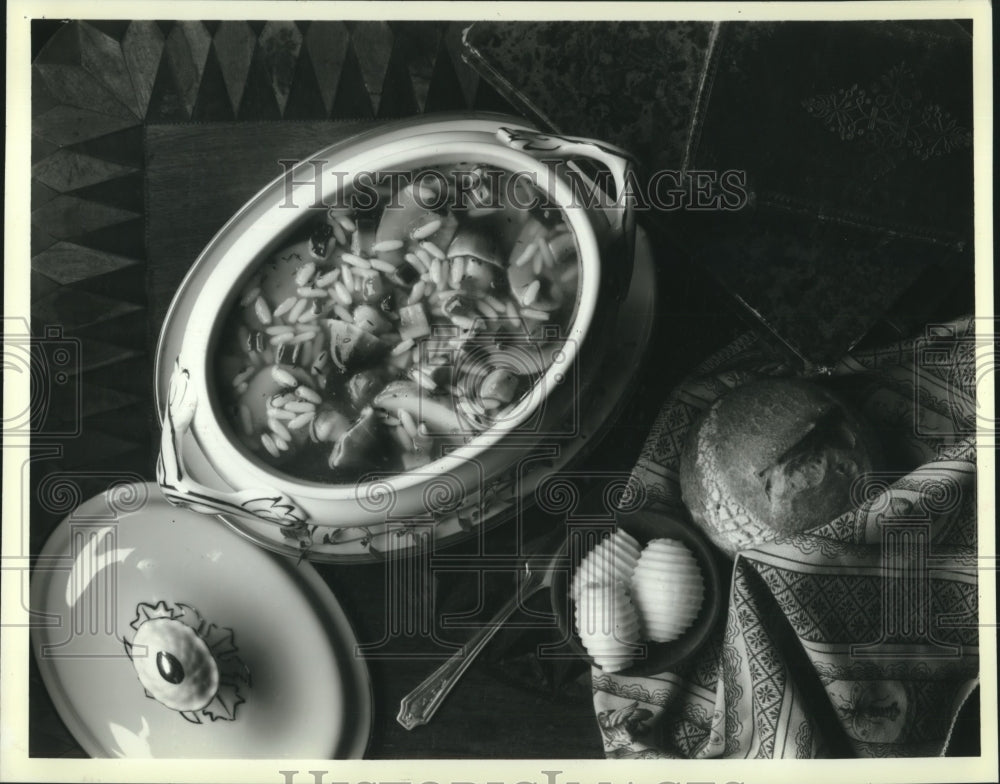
{"type": "Point", "coordinates": [420, 705]}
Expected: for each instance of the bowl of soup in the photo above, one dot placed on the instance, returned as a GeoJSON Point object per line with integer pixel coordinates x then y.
{"type": "Point", "coordinates": [417, 303]}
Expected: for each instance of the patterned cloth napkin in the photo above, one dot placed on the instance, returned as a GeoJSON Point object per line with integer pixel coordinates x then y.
{"type": "Point", "coordinates": [858, 638]}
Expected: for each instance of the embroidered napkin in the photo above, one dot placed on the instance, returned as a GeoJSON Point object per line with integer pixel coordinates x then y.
{"type": "Point", "coordinates": [858, 638]}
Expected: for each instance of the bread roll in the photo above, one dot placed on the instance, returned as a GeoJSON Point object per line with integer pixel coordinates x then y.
{"type": "Point", "coordinates": [772, 457]}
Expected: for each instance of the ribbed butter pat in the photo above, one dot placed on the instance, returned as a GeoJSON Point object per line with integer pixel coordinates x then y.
{"type": "Point", "coordinates": [667, 590]}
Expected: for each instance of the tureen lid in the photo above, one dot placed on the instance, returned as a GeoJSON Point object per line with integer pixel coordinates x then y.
{"type": "Point", "coordinates": [165, 634]}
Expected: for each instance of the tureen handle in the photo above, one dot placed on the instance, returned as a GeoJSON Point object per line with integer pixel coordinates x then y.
{"type": "Point", "coordinates": [181, 489]}
{"type": "Point", "coordinates": [619, 162]}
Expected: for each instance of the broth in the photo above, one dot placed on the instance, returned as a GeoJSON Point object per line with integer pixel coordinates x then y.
{"type": "Point", "coordinates": [377, 336]}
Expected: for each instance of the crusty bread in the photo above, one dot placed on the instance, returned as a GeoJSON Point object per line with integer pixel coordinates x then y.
{"type": "Point", "coordinates": [772, 457]}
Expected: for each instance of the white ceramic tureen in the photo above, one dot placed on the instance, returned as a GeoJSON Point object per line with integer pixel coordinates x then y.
{"type": "Point", "coordinates": [205, 465]}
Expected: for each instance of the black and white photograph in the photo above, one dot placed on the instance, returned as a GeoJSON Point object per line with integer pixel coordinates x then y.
{"type": "Point", "coordinates": [542, 387]}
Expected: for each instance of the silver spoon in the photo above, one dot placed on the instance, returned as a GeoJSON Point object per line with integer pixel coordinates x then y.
{"type": "Point", "coordinates": [420, 705]}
